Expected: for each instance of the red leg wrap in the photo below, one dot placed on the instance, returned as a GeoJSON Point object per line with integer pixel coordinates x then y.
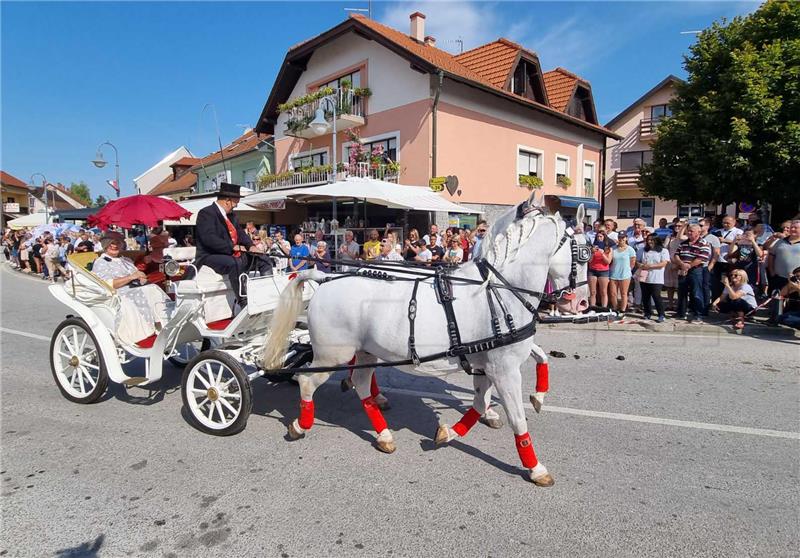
{"type": "Point", "coordinates": [374, 414]}
{"type": "Point", "coordinates": [374, 390]}
{"type": "Point", "coordinates": [542, 377]}
{"type": "Point", "coordinates": [525, 450]}
{"type": "Point", "coordinates": [306, 420]}
{"type": "Point", "coordinates": [467, 422]}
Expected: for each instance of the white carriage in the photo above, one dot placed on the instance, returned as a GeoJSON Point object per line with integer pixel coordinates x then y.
{"type": "Point", "coordinates": [218, 348]}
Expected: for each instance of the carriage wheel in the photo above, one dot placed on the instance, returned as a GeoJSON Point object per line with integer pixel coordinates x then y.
{"type": "Point", "coordinates": [188, 351]}
{"type": "Point", "coordinates": [216, 393]}
{"type": "Point", "coordinates": [76, 362]}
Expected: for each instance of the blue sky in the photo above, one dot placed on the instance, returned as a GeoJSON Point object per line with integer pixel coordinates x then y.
{"type": "Point", "coordinates": [139, 73]}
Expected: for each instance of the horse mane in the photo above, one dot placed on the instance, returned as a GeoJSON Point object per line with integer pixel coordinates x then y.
{"type": "Point", "coordinates": [509, 234]}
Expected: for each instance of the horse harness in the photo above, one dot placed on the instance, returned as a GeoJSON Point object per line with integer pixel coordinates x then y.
{"type": "Point", "coordinates": [443, 287]}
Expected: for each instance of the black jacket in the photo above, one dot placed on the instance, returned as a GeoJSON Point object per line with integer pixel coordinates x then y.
{"type": "Point", "coordinates": [212, 236]}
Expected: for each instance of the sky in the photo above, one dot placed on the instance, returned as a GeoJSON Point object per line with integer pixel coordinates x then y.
{"type": "Point", "coordinates": [138, 74]}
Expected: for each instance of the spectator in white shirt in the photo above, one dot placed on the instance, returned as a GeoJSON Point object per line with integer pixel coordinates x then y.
{"type": "Point", "coordinates": [424, 255]}
{"type": "Point", "coordinates": [727, 237]}
{"type": "Point", "coordinates": [434, 231]}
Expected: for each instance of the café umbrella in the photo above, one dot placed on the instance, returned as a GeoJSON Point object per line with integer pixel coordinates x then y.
{"type": "Point", "coordinates": [140, 209]}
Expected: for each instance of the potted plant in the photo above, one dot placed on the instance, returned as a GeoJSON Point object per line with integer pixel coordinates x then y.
{"type": "Point", "coordinates": [530, 182]}
{"type": "Point", "coordinates": [564, 181]}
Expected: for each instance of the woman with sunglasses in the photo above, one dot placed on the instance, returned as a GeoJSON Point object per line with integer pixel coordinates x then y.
{"type": "Point", "coordinates": [622, 264]}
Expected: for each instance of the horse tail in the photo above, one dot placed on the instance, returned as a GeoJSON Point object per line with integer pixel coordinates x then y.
{"type": "Point", "coordinates": [284, 319]}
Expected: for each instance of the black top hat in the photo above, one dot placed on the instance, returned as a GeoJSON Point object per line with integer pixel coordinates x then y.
{"type": "Point", "coordinates": [227, 190]}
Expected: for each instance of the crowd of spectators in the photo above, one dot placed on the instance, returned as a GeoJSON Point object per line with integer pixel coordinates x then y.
{"type": "Point", "coordinates": [723, 264]}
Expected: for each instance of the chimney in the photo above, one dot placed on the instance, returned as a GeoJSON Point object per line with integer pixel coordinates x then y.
{"type": "Point", "coordinates": [418, 26]}
{"type": "Point", "coordinates": [430, 41]}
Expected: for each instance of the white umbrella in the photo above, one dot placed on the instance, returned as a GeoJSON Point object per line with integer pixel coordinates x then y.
{"type": "Point", "coordinates": [27, 221]}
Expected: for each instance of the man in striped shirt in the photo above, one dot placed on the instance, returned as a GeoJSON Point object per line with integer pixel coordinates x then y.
{"type": "Point", "coordinates": [690, 257]}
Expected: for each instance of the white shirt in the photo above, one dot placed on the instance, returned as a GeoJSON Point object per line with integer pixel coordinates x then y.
{"type": "Point", "coordinates": [652, 257]}
{"type": "Point", "coordinates": [427, 240]}
{"type": "Point", "coordinates": [108, 269]}
{"type": "Point", "coordinates": [613, 235]}
{"type": "Point", "coordinates": [713, 240]}
{"type": "Point", "coordinates": [392, 256]}
{"type": "Point", "coordinates": [424, 255]}
{"type": "Point", "coordinates": [731, 235]}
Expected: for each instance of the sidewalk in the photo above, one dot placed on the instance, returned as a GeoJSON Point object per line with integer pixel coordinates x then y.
{"type": "Point", "coordinates": [712, 325]}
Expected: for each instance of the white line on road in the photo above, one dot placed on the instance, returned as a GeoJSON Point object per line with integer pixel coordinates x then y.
{"type": "Point", "coordinates": [566, 410]}
{"type": "Point", "coordinates": [622, 416]}
{"type": "Point", "coordinates": [24, 334]}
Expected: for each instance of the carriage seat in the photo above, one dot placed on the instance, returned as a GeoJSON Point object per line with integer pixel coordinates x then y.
{"type": "Point", "coordinates": [207, 281]}
{"type": "Point", "coordinates": [181, 253]}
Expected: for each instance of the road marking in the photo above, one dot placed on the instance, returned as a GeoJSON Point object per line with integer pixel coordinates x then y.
{"type": "Point", "coordinates": [565, 410]}
{"type": "Point", "coordinates": [24, 334]}
{"type": "Point", "coordinates": [622, 416]}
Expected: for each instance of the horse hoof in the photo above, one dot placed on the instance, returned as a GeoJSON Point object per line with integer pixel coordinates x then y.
{"type": "Point", "coordinates": [382, 402]}
{"type": "Point", "coordinates": [442, 435]}
{"type": "Point", "coordinates": [294, 433]}
{"type": "Point", "coordinates": [386, 447]}
{"type": "Point", "coordinates": [495, 423]}
{"type": "Point", "coordinates": [543, 480]}
{"type": "Point", "coordinates": [537, 404]}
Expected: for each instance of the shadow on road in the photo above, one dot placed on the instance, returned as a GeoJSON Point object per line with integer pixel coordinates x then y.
{"type": "Point", "coordinates": [89, 549]}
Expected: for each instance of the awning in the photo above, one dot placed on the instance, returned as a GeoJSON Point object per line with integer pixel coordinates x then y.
{"type": "Point", "coordinates": [27, 221]}
{"type": "Point", "coordinates": [574, 201]}
{"type": "Point", "coordinates": [195, 205]}
{"type": "Point", "coordinates": [397, 196]}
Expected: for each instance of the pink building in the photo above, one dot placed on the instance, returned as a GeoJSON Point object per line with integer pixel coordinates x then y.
{"type": "Point", "coordinates": [488, 116]}
{"type": "Point", "coordinates": [638, 127]}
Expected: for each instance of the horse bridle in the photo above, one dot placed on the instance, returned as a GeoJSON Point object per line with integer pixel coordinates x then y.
{"type": "Point", "coordinates": [580, 254]}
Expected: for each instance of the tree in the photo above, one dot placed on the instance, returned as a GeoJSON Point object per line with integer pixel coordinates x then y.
{"type": "Point", "coordinates": [100, 201]}
{"type": "Point", "coordinates": [734, 134]}
{"type": "Point", "coordinates": [80, 191]}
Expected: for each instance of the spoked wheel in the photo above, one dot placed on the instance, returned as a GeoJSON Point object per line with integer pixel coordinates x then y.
{"type": "Point", "coordinates": [216, 393]}
{"type": "Point", "coordinates": [76, 362]}
{"type": "Point", "coordinates": [188, 351]}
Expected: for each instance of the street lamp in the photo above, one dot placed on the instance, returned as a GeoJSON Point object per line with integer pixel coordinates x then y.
{"type": "Point", "coordinates": [320, 126]}
{"type": "Point", "coordinates": [99, 162]}
{"type": "Point", "coordinates": [44, 187]}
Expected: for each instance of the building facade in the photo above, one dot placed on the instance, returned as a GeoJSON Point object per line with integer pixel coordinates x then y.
{"type": "Point", "coordinates": [638, 127]}
{"type": "Point", "coordinates": [488, 117]}
{"type": "Point", "coordinates": [16, 197]}
{"type": "Point", "coordinates": [159, 172]}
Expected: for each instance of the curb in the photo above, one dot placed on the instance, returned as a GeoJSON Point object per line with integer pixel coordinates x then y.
{"type": "Point", "coordinates": [673, 326]}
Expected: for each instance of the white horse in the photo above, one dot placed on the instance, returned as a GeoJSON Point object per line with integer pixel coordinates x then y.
{"type": "Point", "coordinates": [368, 318]}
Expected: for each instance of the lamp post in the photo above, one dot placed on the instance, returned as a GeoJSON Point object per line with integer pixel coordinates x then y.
{"type": "Point", "coordinates": [44, 187]}
{"type": "Point", "coordinates": [320, 126]}
{"type": "Point", "coordinates": [99, 162]}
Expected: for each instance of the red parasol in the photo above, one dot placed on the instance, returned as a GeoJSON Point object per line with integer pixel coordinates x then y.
{"type": "Point", "coordinates": [140, 209]}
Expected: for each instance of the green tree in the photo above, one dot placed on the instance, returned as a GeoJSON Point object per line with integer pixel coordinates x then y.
{"type": "Point", "coordinates": [100, 201]}
{"type": "Point", "coordinates": [80, 191]}
{"type": "Point", "coordinates": [734, 134]}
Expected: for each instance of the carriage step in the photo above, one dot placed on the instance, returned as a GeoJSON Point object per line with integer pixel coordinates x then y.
{"type": "Point", "coordinates": [135, 381]}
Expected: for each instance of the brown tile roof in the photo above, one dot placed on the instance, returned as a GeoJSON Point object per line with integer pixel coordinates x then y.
{"type": "Point", "coordinates": [494, 61]}
{"type": "Point", "coordinates": [9, 180]}
{"type": "Point", "coordinates": [560, 85]}
{"type": "Point", "coordinates": [186, 162]}
{"type": "Point", "coordinates": [247, 142]}
{"type": "Point", "coordinates": [170, 185]}
{"type": "Point", "coordinates": [56, 197]}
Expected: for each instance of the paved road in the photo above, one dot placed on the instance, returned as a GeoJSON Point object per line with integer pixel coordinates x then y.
{"type": "Point", "coordinates": [716, 472]}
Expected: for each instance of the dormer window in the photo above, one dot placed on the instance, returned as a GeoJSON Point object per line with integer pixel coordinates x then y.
{"type": "Point", "coordinates": [581, 106]}
{"type": "Point", "coordinates": [526, 81]}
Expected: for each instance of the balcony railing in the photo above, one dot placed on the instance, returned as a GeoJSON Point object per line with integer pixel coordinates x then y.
{"type": "Point", "coordinates": [314, 176]}
{"type": "Point", "coordinates": [626, 179]}
{"type": "Point", "coordinates": [648, 127]}
{"type": "Point", "coordinates": [349, 113]}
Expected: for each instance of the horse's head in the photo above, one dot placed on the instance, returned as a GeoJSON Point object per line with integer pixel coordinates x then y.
{"type": "Point", "coordinates": [569, 266]}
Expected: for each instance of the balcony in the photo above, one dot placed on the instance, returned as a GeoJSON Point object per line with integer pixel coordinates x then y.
{"type": "Point", "coordinates": [314, 176]}
{"type": "Point", "coordinates": [648, 128]}
{"type": "Point", "coordinates": [626, 179]}
{"type": "Point", "coordinates": [350, 111]}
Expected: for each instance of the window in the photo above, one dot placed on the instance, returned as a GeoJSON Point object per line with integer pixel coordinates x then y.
{"type": "Point", "coordinates": [691, 210]}
{"type": "Point", "coordinates": [633, 160]}
{"type": "Point", "coordinates": [309, 160]}
{"type": "Point", "coordinates": [528, 163]}
{"type": "Point", "coordinates": [353, 77]}
{"type": "Point", "coordinates": [11, 200]}
{"type": "Point", "coordinates": [525, 81]}
{"type": "Point", "coordinates": [250, 179]}
{"type": "Point", "coordinates": [389, 148]}
{"type": "Point", "coordinates": [562, 167]}
{"type": "Point", "coordinates": [633, 208]}
{"type": "Point", "coordinates": [588, 179]}
{"type": "Point", "coordinates": [657, 112]}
